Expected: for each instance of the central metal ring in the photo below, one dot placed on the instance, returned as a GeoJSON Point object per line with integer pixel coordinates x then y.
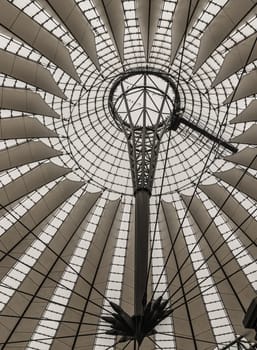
{"type": "Point", "coordinates": [144, 99]}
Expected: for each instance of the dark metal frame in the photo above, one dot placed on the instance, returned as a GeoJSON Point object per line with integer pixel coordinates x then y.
{"type": "Point", "coordinates": [144, 141]}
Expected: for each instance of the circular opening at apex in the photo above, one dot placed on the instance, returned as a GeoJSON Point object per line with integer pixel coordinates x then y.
{"type": "Point", "coordinates": [144, 99]}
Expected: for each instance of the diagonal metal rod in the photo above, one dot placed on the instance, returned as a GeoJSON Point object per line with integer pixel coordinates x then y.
{"type": "Point", "coordinates": [205, 133]}
{"type": "Point", "coordinates": [211, 286]}
{"type": "Point", "coordinates": [41, 298]}
{"type": "Point", "coordinates": [125, 347]}
{"type": "Point", "coordinates": [172, 334]}
{"type": "Point", "coordinates": [155, 343]}
{"type": "Point", "coordinates": [58, 282]}
{"type": "Point", "coordinates": [236, 341]}
{"type": "Point", "coordinates": [58, 256]}
{"type": "Point", "coordinates": [200, 177]}
{"type": "Point", "coordinates": [47, 338]}
{"type": "Point", "coordinates": [53, 320]}
{"type": "Point", "coordinates": [206, 229]}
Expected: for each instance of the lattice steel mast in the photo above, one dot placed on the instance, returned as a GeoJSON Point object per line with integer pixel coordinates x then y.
{"type": "Point", "coordinates": [145, 105]}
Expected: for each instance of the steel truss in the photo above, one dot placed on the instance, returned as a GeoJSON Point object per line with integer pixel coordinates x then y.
{"type": "Point", "coordinates": [145, 131]}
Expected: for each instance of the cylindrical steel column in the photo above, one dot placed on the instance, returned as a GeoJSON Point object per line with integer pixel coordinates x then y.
{"type": "Point", "coordinates": [142, 198]}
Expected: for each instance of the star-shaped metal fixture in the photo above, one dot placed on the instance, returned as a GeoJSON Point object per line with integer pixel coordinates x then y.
{"type": "Point", "coordinates": [137, 327]}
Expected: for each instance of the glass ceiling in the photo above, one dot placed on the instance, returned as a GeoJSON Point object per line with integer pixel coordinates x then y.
{"type": "Point", "coordinates": [66, 196]}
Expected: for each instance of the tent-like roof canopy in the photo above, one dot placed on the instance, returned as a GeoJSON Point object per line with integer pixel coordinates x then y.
{"type": "Point", "coordinates": [66, 196]}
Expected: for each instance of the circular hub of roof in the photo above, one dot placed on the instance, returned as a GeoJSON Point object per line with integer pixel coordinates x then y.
{"type": "Point", "coordinates": [144, 99]}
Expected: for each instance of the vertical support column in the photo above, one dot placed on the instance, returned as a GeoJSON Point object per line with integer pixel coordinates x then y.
{"type": "Point", "coordinates": [142, 199]}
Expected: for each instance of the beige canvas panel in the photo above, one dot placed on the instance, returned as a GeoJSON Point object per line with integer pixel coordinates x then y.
{"type": "Point", "coordinates": [22, 233]}
{"type": "Point", "coordinates": [190, 320]}
{"type": "Point", "coordinates": [247, 157]}
{"type": "Point", "coordinates": [28, 71]}
{"type": "Point", "coordinates": [238, 56]}
{"type": "Point", "coordinates": [183, 21]}
{"type": "Point", "coordinates": [148, 13]}
{"type": "Point", "coordinates": [23, 128]}
{"type": "Point", "coordinates": [111, 12]}
{"type": "Point", "coordinates": [237, 214]}
{"type": "Point", "coordinates": [95, 269]}
{"type": "Point", "coordinates": [25, 153]}
{"type": "Point", "coordinates": [229, 17]}
{"type": "Point", "coordinates": [43, 279]}
{"type": "Point", "coordinates": [247, 115]}
{"type": "Point", "coordinates": [73, 18]}
{"type": "Point", "coordinates": [248, 137]}
{"type": "Point", "coordinates": [25, 100]}
{"type": "Point", "coordinates": [30, 181]}
{"type": "Point", "coordinates": [243, 181]}
{"type": "Point", "coordinates": [247, 86]}
{"type": "Point", "coordinates": [233, 286]}
{"type": "Point", "coordinates": [32, 33]}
